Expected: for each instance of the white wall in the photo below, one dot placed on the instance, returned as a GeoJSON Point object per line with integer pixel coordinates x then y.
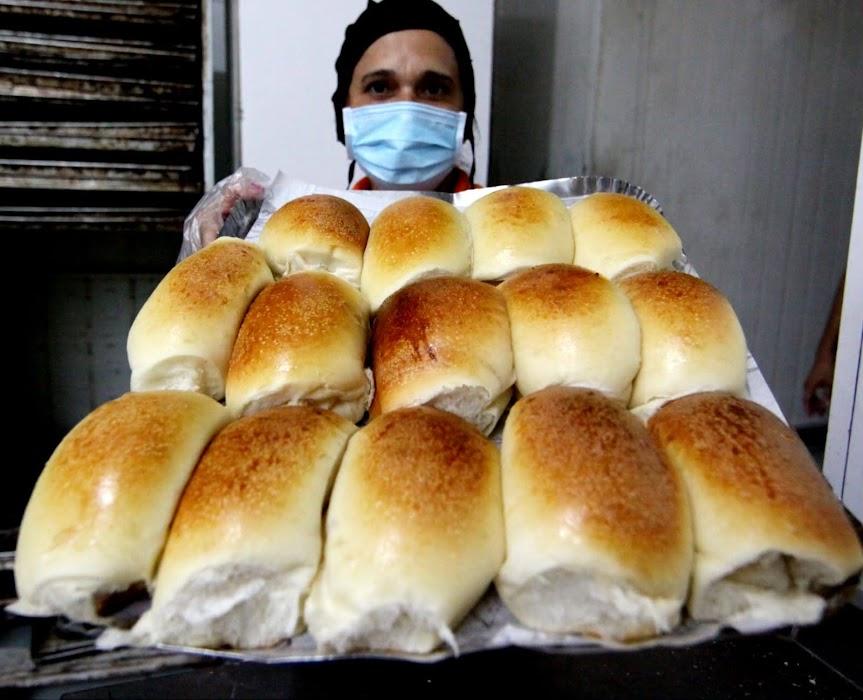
{"type": "Point", "coordinates": [287, 54]}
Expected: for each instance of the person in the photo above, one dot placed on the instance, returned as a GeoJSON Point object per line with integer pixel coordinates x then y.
{"type": "Point", "coordinates": [818, 387]}
{"type": "Point", "coordinates": [405, 97]}
{"type": "Point", "coordinates": [404, 107]}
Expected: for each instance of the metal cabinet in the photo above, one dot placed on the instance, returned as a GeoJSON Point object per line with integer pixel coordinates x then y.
{"type": "Point", "coordinates": [101, 129]}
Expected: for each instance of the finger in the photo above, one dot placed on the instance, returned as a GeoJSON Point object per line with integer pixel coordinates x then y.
{"type": "Point", "coordinates": [245, 189]}
{"type": "Point", "coordinates": [209, 233]}
{"type": "Point", "coordinates": [228, 202]}
{"type": "Point", "coordinates": [819, 405]}
{"type": "Point", "coordinates": [252, 190]}
{"type": "Point", "coordinates": [814, 408]}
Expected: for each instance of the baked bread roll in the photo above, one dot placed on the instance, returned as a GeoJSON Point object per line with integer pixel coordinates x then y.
{"type": "Point", "coordinates": [597, 523]}
{"type": "Point", "coordinates": [617, 235]}
{"type": "Point", "coordinates": [444, 342]}
{"type": "Point", "coordinates": [316, 232]}
{"type": "Point", "coordinates": [411, 239]}
{"type": "Point", "coordinates": [182, 336]}
{"type": "Point", "coordinates": [771, 540]}
{"type": "Point", "coordinates": [303, 342]}
{"type": "Point", "coordinates": [98, 516]}
{"type": "Point", "coordinates": [571, 327]}
{"type": "Point", "coordinates": [518, 227]}
{"type": "Point", "coordinates": [691, 339]}
{"type": "Point", "coordinates": [246, 540]}
{"type": "Point", "coordinates": [414, 535]}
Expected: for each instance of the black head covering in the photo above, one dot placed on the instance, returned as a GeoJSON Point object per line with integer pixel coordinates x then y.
{"type": "Point", "coordinates": [387, 16]}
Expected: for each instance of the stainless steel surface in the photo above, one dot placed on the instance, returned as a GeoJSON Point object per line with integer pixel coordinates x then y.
{"type": "Point", "coordinates": [132, 12]}
{"type": "Point", "coordinates": [88, 175]}
{"type": "Point", "coordinates": [101, 136]}
{"type": "Point", "coordinates": [101, 108]}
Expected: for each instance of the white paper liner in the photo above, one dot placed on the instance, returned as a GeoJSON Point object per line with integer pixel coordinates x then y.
{"type": "Point", "coordinates": [488, 626]}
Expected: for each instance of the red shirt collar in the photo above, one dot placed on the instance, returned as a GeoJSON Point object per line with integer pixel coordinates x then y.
{"type": "Point", "coordinates": [458, 181]}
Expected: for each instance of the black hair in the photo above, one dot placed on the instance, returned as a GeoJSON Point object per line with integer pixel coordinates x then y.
{"type": "Point", "coordinates": [387, 16]}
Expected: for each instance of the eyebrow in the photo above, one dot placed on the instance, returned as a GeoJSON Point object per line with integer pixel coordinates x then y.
{"type": "Point", "coordinates": [377, 75]}
{"type": "Point", "coordinates": [386, 73]}
{"type": "Point", "coordinates": [432, 74]}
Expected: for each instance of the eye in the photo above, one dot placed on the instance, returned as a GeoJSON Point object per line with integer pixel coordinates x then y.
{"type": "Point", "coordinates": [435, 91]}
{"type": "Point", "coordinates": [435, 87]}
{"type": "Point", "coordinates": [378, 88]}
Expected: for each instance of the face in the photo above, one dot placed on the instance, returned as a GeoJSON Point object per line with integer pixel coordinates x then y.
{"type": "Point", "coordinates": [414, 65]}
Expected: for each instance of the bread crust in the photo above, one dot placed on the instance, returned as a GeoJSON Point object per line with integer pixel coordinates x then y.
{"type": "Point", "coordinates": [99, 514]}
{"type": "Point", "coordinates": [416, 501]}
{"type": "Point", "coordinates": [303, 341]}
{"type": "Point", "coordinates": [753, 485]}
{"type": "Point", "coordinates": [413, 238]}
{"type": "Point", "coordinates": [585, 471]}
{"type": "Point", "coordinates": [183, 335]}
{"type": "Point", "coordinates": [518, 227]}
{"type": "Point", "coordinates": [572, 327]}
{"type": "Point", "coordinates": [318, 230]}
{"type": "Point", "coordinates": [438, 335]}
{"type": "Point", "coordinates": [618, 235]}
{"type": "Point", "coordinates": [691, 339]}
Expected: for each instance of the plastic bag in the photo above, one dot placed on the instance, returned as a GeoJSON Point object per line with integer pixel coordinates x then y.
{"type": "Point", "coordinates": [229, 208]}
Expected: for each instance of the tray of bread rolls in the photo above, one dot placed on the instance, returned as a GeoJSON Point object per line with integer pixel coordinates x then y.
{"type": "Point", "coordinates": [410, 426]}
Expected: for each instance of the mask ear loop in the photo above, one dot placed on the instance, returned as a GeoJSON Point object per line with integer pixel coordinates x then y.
{"type": "Point", "coordinates": [351, 169]}
{"type": "Point", "coordinates": [472, 158]}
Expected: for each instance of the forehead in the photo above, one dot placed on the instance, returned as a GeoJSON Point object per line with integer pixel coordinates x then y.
{"type": "Point", "coordinates": [409, 51]}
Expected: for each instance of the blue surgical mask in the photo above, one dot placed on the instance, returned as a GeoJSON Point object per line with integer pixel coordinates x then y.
{"type": "Point", "coordinates": [404, 145]}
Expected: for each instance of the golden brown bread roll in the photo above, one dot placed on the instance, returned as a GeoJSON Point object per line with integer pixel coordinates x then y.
{"type": "Point", "coordinates": [444, 342]}
{"type": "Point", "coordinates": [411, 239]}
{"type": "Point", "coordinates": [617, 235]}
{"type": "Point", "coordinates": [183, 335]}
{"type": "Point", "coordinates": [597, 523]}
{"type": "Point", "coordinates": [691, 339]}
{"type": "Point", "coordinates": [303, 342]}
{"type": "Point", "coordinates": [246, 540]}
{"type": "Point", "coordinates": [571, 327]}
{"type": "Point", "coordinates": [98, 516]}
{"type": "Point", "coordinates": [317, 232]}
{"type": "Point", "coordinates": [414, 534]}
{"type": "Point", "coordinates": [518, 227]}
{"type": "Point", "coordinates": [771, 539]}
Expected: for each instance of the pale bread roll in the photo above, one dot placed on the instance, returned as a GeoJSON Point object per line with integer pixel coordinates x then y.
{"type": "Point", "coordinates": [414, 535]}
{"type": "Point", "coordinates": [597, 523]}
{"type": "Point", "coordinates": [98, 516]}
{"type": "Point", "coordinates": [316, 232]}
{"type": "Point", "coordinates": [303, 342]}
{"type": "Point", "coordinates": [444, 342]}
{"type": "Point", "coordinates": [691, 339]}
{"type": "Point", "coordinates": [411, 239]}
{"type": "Point", "coordinates": [617, 235]}
{"type": "Point", "coordinates": [518, 227]}
{"type": "Point", "coordinates": [246, 540]}
{"type": "Point", "coordinates": [771, 539]}
{"type": "Point", "coordinates": [571, 327]}
{"type": "Point", "coordinates": [183, 335]}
